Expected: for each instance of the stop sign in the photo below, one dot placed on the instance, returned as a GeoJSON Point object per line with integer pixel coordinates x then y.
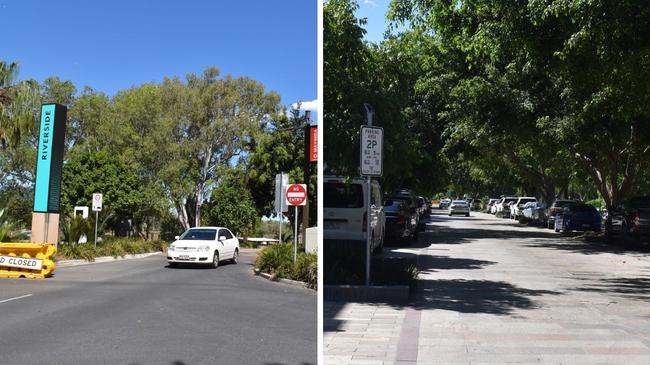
{"type": "Point", "coordinates": [296, 194]}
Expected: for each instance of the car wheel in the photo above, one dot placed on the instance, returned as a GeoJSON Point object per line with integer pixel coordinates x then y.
{"type": "Point", "coordinates": [380, 247]}
{"type": "Point", "coordinates": [235, 257]}
{"type": "Point", "coordinates": [215, 260]}
{"type": "Point", "coordinates": [467, 215]}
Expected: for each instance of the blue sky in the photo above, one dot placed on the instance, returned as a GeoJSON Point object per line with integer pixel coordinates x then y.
{"type": "Point", "coordinates": [113, 45]}
{"type": "Point", "coordinates": [375, 13]}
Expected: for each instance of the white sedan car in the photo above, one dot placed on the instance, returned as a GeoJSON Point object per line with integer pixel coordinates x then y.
{"type": "Point", "coordinates": [204, 245]}
{"type": "Point", "coordinates": [459, 207]}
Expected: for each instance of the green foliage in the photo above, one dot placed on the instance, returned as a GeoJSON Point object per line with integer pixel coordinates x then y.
{"type": "Point", "coordinates": [231, 205]}
{"type": "Point", "coordinates": [115, 247]}
{"type": "Point", "coordinates": [8, 231]}
{"type": "Point", "coordinates": [278, 261]}
{"type": "Point", "coordinates": [88, 173]}
{"type": "Point", "coordinates": [72, 228]}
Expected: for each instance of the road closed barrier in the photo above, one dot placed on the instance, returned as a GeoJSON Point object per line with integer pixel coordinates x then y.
{"type": "Point", "coordinates": [26, 260]}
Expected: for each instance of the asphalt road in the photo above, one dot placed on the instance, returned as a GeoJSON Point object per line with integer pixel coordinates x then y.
{"type": "Point", "coordinates": [142, 312]}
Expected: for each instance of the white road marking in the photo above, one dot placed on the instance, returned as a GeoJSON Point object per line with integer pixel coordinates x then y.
{"type": "Point", "coordinates": [16, 298]}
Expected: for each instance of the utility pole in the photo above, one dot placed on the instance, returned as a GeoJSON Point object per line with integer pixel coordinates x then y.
{"type": "Point", "coordinates": [306, 178]}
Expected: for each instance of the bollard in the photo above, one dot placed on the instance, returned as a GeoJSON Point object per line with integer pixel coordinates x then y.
{"type": "Point", "coordinates": [26, 260]}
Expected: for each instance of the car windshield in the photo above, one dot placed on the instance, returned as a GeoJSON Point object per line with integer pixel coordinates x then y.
{"type": "Point", "coordinates": [509, 200]}
{"type": "Point", "coordinates": [562, 203]}
{"type": "Point", "coordinates": [583, 208]}
{"type": "Point", "coordinates": [341, 195]}
{"type": "Point", "coordinates": [199, 234]}
{"type": "Point", "coordinates": [524, 201]}
{"type": "Point", "coordinates": [393, 205]}
{"type": "Point", "coordinates": [640, 202]}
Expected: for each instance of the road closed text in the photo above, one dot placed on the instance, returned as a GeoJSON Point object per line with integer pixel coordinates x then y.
{"type": "Point", "coordinates": [21, 262]}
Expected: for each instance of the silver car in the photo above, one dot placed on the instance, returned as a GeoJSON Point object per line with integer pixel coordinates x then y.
{"type": "Point", "coordinates": [459, 207]}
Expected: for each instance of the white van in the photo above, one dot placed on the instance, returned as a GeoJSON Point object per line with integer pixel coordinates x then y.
{"type": "Point", "coordinates": [344, 211]}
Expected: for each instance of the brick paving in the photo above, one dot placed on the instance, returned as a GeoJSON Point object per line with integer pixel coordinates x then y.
{"type": "Point", "coordinates": [495, 292]}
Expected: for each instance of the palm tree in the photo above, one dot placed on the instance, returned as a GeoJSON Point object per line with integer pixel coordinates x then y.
{"type": "Point", "coordinates": [17, 104]}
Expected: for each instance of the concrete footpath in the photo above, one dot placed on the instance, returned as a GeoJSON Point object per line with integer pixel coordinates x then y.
{"type": "Point", "coordinates": [492, 291]}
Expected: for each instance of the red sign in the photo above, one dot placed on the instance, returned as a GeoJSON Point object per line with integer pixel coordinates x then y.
{"type": "Point", "coordinates": [313, 144]}
{"type": "Point", "coordinates": [296, 194]}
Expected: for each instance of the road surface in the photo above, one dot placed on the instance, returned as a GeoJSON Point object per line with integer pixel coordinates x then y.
{"type": "Point", "coordinates": [492, 291]}
{"type": "Point", "coordinates": [142, 312]}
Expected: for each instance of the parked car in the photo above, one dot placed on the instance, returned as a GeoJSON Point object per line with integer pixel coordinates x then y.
{"type": "Point", "coordinates": [475, 205]}
{"type": "Point", "coordinates": [400, 223]}
{"type": "Point", "coordinates": [632, 219]}
{"type": "Point", "coordinates": [344, 211]}
{"type": "Point", "coordinates": [422, 206]}
{"type": "Point", "coordinates": [535, 213]}
{"type": "Point", "coordinates": [459, 207]}
{"type": "Point", "coordinates": [490, 204]}
{"type": "Point", "coordinates": [517, 207]}
{"type": "Point", "coordinates": [578, 217]}
{"type": "Point", "coordinates": [503, 206]}
{"type": "Point", "coordinates": [411, 209]}
{"type": "Point", "coordinates": [556, 208]}
{"type": "Point", "coordinates": [444, 204]}
{"type": "Point", "coordinates": [204, 245]}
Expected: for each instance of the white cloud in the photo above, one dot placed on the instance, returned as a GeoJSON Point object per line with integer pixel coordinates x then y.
{"type": "Point", "coordinates": [306, 105]}
{"type": "Point", "coordinates": [370, 2]}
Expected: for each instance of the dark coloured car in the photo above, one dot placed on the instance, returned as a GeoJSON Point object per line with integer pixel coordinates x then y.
{"type": "Point", "coordinates": [578, 217]}
{"type": "Point", "coordinates": [556, 208]}
{"type": "Point", "coordinates": [631, 220]}
{"type": "Point", "coordinates": [413, 206]}
{"type": "Point", "coordinates": [534, 213]}
{"type": "Point", "coordinates": [399, 221]}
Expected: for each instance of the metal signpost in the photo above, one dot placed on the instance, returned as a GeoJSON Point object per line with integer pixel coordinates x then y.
{"type": "Point", "coordinates": [296, 195]}
{"type": "Point", "coordinates": [372, 140]}
{"type": "Point", "coordinates": [98, 200]}
{"type": "Point", "coordinates": [281, 182]}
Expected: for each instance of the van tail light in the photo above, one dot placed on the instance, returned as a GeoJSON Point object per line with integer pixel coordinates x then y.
{"type": "Point", "coordinates": [401, 219]}
{"type": "Point", "coordinates": [365, 222]}
{"type": "Point", "coordinates": [636, 219]}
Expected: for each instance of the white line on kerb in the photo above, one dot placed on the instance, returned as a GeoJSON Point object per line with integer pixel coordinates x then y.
{"type": "Point", "coordinates": [16, 298]}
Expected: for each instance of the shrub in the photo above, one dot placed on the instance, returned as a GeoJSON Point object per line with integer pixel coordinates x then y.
{"type": "Point", "coordinates": [306, 269]}
{"type": "Point", "coordinates": [278, 261]}
{"type": "Point", "coordinates": [116, 247]}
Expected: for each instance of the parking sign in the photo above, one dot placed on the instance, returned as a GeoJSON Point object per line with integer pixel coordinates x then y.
{"type": "Point", "coordinates": [372, 140]}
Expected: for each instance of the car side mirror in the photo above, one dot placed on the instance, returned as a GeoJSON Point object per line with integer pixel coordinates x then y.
{"type": "Point", "coordinates": [222, 238]}
{"type": "Point", "coordinates": [177, 237]}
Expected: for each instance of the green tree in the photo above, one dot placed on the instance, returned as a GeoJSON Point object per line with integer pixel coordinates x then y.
{"type": "Point", "coordinates": [231, 205]}
{"type": "Point", "coordinates": [102, 172]}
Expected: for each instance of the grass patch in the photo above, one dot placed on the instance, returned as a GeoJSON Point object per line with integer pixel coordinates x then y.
{"type": "Point", "coordinates": [277, 260]}
{"type": "Point", "coordinates": [115, 247]}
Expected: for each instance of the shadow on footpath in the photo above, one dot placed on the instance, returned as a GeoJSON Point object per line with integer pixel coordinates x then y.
{"type": "Point", "coordinates": [459, 295]}
{"type": "Point", "coordinates": [629, 288]}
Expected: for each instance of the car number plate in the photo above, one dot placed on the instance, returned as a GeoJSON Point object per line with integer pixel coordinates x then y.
{"type": "Point", "coordinates": [184, 257]}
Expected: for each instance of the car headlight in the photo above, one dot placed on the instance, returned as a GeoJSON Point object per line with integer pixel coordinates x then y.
{"type": "Point", "coordinates": [203, 248]}
{"type": "Point", "coordinates": [172, 247]}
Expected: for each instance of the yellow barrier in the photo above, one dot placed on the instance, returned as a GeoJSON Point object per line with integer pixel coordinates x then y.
{"type": "Point", "coordinates": [26, 260]}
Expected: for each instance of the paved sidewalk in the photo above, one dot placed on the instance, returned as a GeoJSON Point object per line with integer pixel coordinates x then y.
{"type": "Point", "coordinates": [494, 292]}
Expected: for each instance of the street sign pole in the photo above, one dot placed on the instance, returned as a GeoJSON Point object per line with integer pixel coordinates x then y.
{"type": "Point", "coordinates": [296, 195]}
{"type": "Point", "coordinates": [96, 219]}
{"type": "Point", "coordinates": [295, 236]}
{"type": "Point", "coordinates": [98, 202]}
{"type": "Point", "coordinates": [369, 114]}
